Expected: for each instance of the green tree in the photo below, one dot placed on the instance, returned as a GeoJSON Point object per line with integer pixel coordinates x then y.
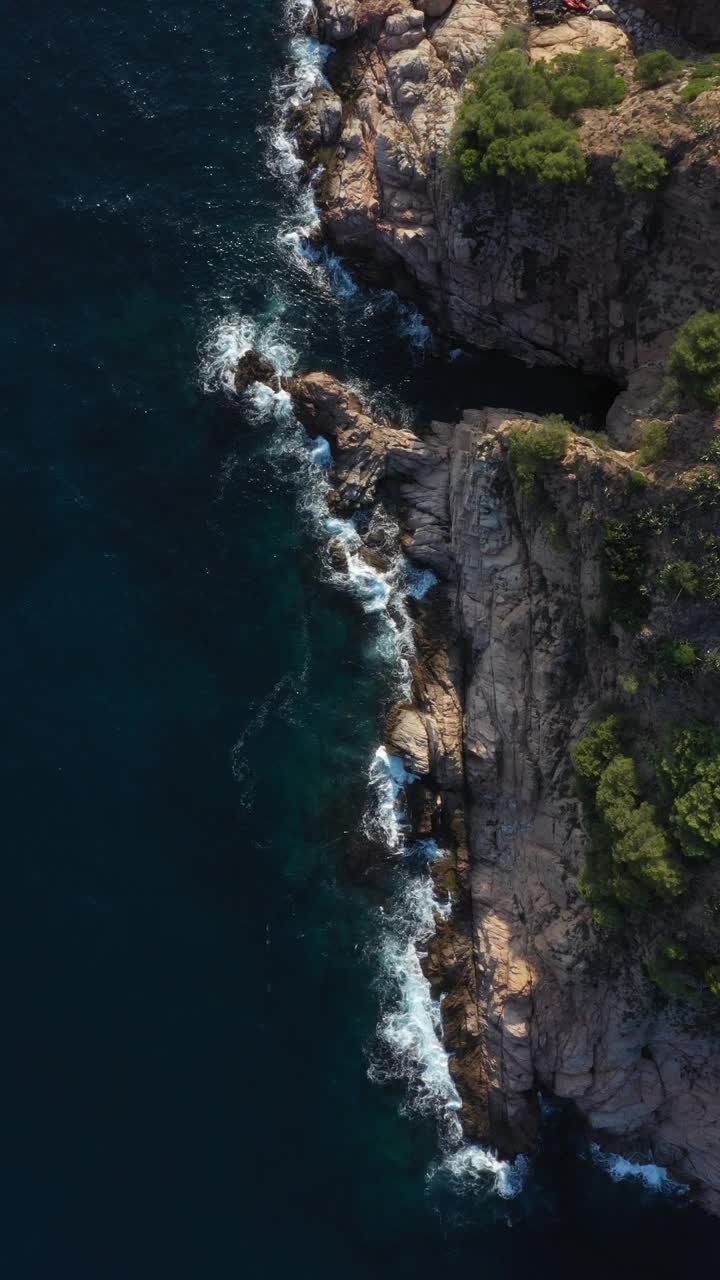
{"type": "Point", "coordinates": [514, 118]}
{"type": "Point", "coordinates": [639, 167]}
{"type": "Point", "coordinates": [695, 358]}
{"type": "Point", "coordinates": [597, 747]}
{"type": "Point", "coordinates": [696, 814]}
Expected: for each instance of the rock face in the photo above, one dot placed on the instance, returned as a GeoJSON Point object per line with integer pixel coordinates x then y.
{"type": "Point", "coordinates": [695, 19]}
{"type": "Point", "coordinates": [508, 673]}
{"type": "Point", "coordinates": [585, 275]}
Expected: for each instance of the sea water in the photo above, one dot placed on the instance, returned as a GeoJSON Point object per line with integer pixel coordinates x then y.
{"type": "Point", "coordinates": [221, 1056]}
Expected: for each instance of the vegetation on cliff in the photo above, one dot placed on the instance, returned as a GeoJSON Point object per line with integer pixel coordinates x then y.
{"type": "Point", "coordinates": [639, 167]}
{"type": "Point", "coordinates": [656, 68]}
{"type": "Point", "coordinates": [695, 359]}
{"type": "Point", "coordinates": [534, 448]}
{"type": "Point", "coordinates": [515, 120]}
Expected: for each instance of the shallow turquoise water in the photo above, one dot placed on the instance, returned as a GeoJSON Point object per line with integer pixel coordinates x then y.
{"type": "Point", "coordinates": [189, 954]}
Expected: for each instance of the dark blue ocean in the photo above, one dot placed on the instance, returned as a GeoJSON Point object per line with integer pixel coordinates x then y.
{"type": "Point", "coordinates": [189, 950]}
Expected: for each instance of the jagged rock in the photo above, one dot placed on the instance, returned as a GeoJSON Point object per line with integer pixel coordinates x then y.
{"type": "Point", "coordinates": [252, 368]}
{"type": "Point", "coordinates": [337, 19]}
{"type": "Point", "coordinates": [406, 736]}
{"type": "Point", "coordinates": [320, 121]}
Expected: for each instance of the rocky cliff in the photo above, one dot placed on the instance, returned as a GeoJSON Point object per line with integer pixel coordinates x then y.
{"type": "Point", "coordinates": [515, 652]}
{"type": "Point", "coordinates": [582, 275]}
{"type": "Point", "coordinates": [695, 19]}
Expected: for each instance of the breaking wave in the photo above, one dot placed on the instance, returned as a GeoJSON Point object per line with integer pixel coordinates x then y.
{"type": "Point", "coordinates": [384, 585]}
{"type": "Point", "coordinates": [620, 1169]}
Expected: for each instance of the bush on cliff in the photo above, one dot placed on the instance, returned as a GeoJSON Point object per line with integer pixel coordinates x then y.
{"type": "Point", "coordinates": [704, 75]}
{"type": "Point", "coordinates": [513, 121]}
{"type": "Point", "coordinates": [656, 68]}
{"type": "Point", "coordinates": [533, 448]}
{"type": "Point", "coordinates": [653, 441]}
{"type": "Point", "coordinates": [630, 862]}
{"type": "Point", "coordinates": [695, 358]}
{"type": "Point", "coordinates": [595, 750]}
{"type": "Point", "coordinates": [625, 572]}
{"type": "Point", "coordinates": [691, 769]}
{"type": "Point", "coordinates": [639, 167]}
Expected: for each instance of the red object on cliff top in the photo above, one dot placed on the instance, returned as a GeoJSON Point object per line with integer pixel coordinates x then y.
{"type": "Point", "coordinates": [577, 6]}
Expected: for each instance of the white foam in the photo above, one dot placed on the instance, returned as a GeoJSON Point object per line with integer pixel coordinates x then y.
{"type": "Point", "coordinates": [471, 1165]}
{"type": "Point", "coordinates": [388, 778]}
{"type": "Point", "coordinates": [419, 582]}
{"type": "Point", "coordinates": [619, 1168]}
{"type": "Point", "coordinates": [411, 1025]}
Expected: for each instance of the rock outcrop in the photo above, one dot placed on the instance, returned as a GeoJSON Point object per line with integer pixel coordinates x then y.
{"type": "Point", "coordinates": [511, 663]}
{"type": "Point", "coordinates": [586, 275]}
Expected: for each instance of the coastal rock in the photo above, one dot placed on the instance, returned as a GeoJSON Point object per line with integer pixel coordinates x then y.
{"type": "Point", "coordinates": [252, 368]}
{"type": "Point", "coordinates": [406, 736]}
{"type": "Point", "coordinates": [510, 663]}
{"type": "Point", "coordinates": [337, 19]}
{"type": "Point", "coordinates": [319, 122]}
{"type": "Point", "coordinates": [584, 275]}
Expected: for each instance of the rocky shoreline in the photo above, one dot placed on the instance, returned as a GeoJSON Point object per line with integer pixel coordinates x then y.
{"type": "Point", "coordinates": [582, 276]}
{"type": "Point", "coordinates": [509, 665]}
{"type": "Point", "coordinates": [511, 659]}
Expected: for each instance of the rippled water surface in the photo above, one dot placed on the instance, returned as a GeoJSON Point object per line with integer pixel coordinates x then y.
{"type": "Point", "coordinates": [220, 1057]}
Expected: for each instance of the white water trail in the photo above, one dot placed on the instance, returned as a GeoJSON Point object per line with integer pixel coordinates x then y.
{"type": "Point", "coordinates": [411, 1024]}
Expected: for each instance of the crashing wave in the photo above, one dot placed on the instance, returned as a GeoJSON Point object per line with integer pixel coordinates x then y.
{"type": "Point", "coordinates": [619, 1168]}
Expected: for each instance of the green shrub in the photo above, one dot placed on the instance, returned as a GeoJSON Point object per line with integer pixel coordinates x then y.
{"type": "Point", "coordinates": [691, 769]}
{"type": "Point", "coordinates": [534, 448]}
{"type": "Point", "coordinates": [512, 121]}
{"type": "Point", "coordinates": [712, 980]}
{"type": "Point", "coordinates": [630, 685]}
{"type": "Point", "coordinates": [656, 68]}
{"type": "Point", "coordinates": [680, 655]}
{"type": "Point", "coordinates": [588, 77]}
{"type": "Point", "coordinates": [681, 577]}
{"type": "Point", "coordinates": [598, 746]}
{"type": "Point", "coordinates": [705, 75]}
{"type": "Point", "coordinates": [625, 565]}
{"type": "Point", "coordinates": [639, 167]}
{"type": "Point", "coordinates": [516, 37]}
{"type": "Point", "coordinates": [694, 88]}
{"type": "Point", "coordinates": [695, 815]}
{"type": "Point", "coordinates": [653, 438]}
{"type": "Point", "coordinates": [637, 482]}
{"type": "Point", "coordinates": [695, 358]}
